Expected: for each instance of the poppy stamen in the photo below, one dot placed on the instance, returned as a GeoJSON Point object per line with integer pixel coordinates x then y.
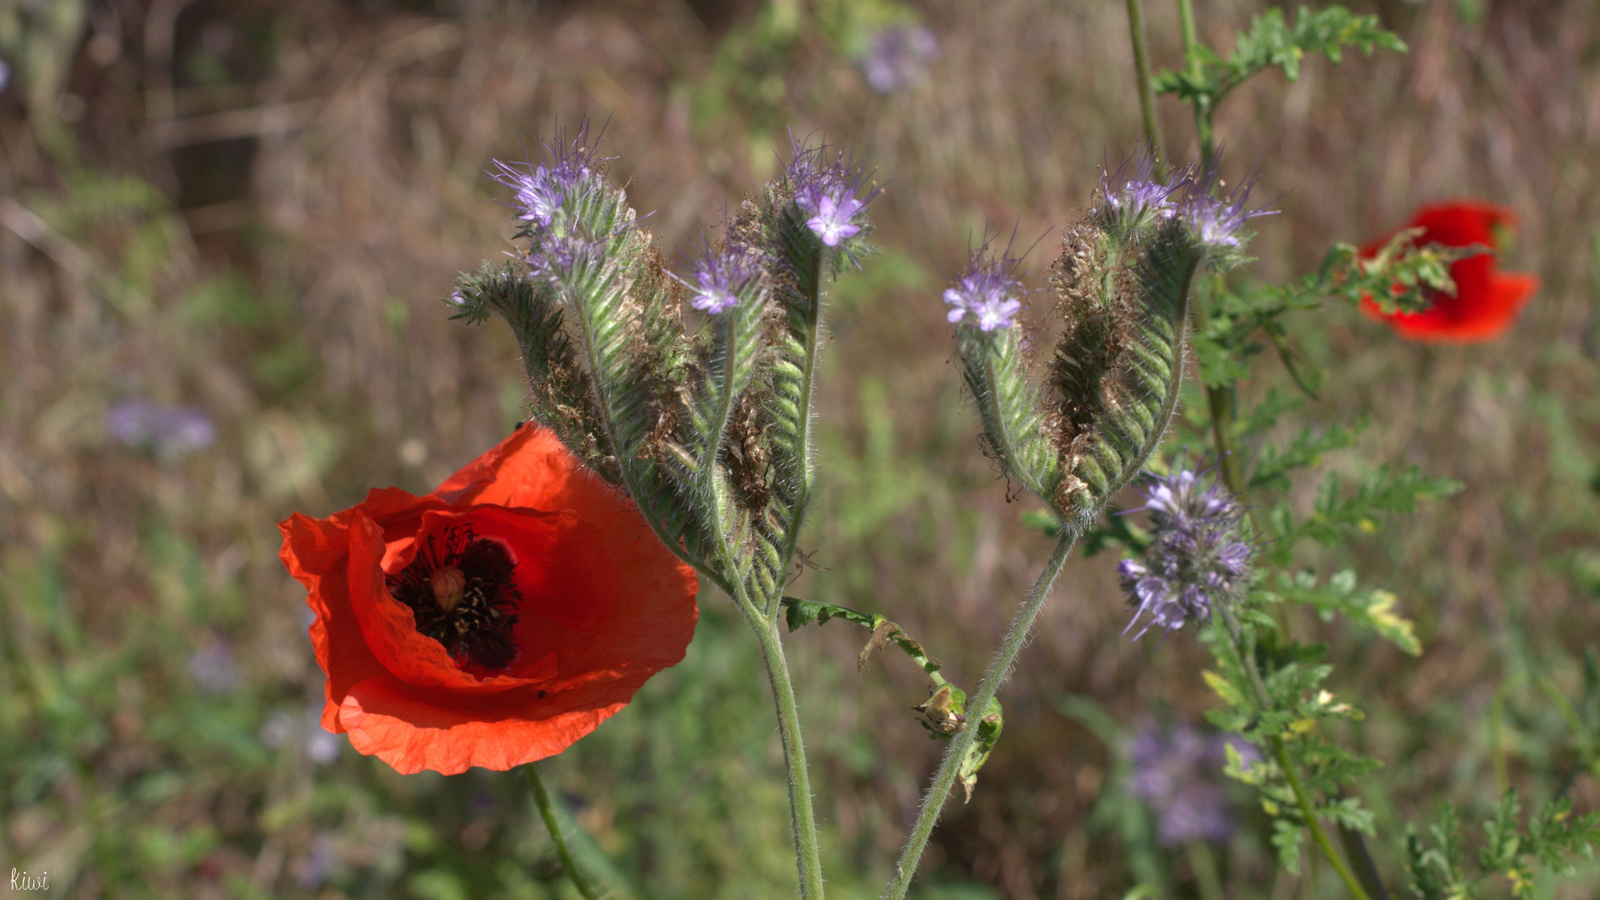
{"type": "Point", "coordinates": [459, 588]}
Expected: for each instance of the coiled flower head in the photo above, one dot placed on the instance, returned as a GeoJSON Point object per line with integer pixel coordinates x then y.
{"type": "Point", "coordinates": [1197, 559]}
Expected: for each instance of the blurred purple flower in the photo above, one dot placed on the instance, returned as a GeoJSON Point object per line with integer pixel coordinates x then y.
{"type": "Point", "coordinates": [283, 728]}
{"type": "Point", "coordinates": [318, 863]}
{"type": "Point", "coordinates": [168, 431]}
{"type": "Point", "coordinates": [212, 667]}
{"type": "Point", "coordinates": [5, 74]}
{"type": "Point", "coordinates": [1178, 772]}
{"type": "Point", "coordinates": [1196, 559]}
{"type": "Point", "coordinates": [897, 56]}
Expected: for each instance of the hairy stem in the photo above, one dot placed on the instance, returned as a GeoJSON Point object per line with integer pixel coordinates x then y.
{"type": "Point", "coordinates": [547, 812]}
{"type": "Point", "coordinates": [808, 856]}
{"type": "Point", "coordinates": [945, 778]}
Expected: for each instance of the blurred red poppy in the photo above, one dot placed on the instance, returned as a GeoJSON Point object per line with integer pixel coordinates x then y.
{"type": "Point", "coordinates": [494, 621]}
{"type": "Point", "coordinates": [1486, 301]}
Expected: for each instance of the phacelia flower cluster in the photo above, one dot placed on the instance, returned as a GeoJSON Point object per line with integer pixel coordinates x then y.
{"type": "Point", "coordinates": [719, 277]}
{"type": "Point", "coordinates": [1134, 191]}
{"type": "Point", "coordinates": [1177, 771]}
{"type": "Point", "coordinates": [1135, 196]}
{"type": "Point", "coordinates": [1197, 559]}
{"type": "Point", "coordinates": [826, 195]}
{"type": "Point", "coordinates": [986, 292]}
{"type": "Point", "coordinates": [1217, 221]}
{"type": "Point", "coordinates": [898, 56]}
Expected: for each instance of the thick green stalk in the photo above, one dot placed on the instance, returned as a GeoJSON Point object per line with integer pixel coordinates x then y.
{"type": "Point", "coordinates": [808, 856]}
{"type": "Point", "coordinates": [945, 778]}
{"type": "Point", "coordinates": [1141, 69]}
{"type": "Point", "coordinates": [547, 811]}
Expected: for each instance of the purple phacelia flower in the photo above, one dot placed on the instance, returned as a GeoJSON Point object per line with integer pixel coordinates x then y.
{"type": "Point", "coordinates": [1134, 191]}
{"type": "Point", "coordinates": [897, 56]}
{"type": "Point", "coordinates": [832, 212]}
{"type": "Point", "coordinates": [212, 667]}
{"type": "Point", "coordinates": [987, 291]}
{"type": "Point", "coordinates": [720, 276]}
{"type": "Point", "coordinates": [167, 431]}
{"type": "Point", "coordinates": [541, 190]}
{"type": "Point", "coordinates": [1178, 772]}
{"type": "Point", "coordinates": [1196, 559]}
{"type": "Point", "coordinates": [559, 255]}
{"type": "Point", "coordinates": [826, 194]}
{"type": "Point", "coordinates": [1217, 222]}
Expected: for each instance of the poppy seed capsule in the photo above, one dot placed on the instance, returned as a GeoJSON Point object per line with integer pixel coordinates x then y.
{"type": "Point", "coordinates": [449, 586]}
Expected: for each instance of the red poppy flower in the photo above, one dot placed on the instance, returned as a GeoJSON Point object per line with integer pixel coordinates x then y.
{"type": "Point", "coordinates": [1486, 301]}
{"type": "Point", "coordinates": [494, 621]}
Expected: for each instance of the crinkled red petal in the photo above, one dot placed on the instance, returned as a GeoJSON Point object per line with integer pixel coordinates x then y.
{"type": "Point", "coordinates": [604, 606]}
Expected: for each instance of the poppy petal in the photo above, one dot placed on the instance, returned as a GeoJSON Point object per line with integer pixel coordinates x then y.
{"type": "Point", "coordinates": [601, 605]}
{"type": "Point", "coordinates": [1486, 301]}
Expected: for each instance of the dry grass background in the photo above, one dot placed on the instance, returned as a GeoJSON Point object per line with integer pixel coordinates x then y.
{"type": "Point", "coordinates": [318, 173]}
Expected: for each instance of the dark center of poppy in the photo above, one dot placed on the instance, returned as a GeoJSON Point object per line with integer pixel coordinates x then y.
{"type": "Point", "coordinates": [460, 590]}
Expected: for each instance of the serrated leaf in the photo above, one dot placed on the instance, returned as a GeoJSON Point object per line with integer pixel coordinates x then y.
{"type": "Point", "coordinates": [1223, 688]}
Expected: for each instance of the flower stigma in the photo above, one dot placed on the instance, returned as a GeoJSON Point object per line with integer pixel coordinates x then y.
{"type": "Point", "coordinates": [460, 589]}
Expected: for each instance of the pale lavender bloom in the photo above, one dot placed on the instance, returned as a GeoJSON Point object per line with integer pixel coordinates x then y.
{"type": "Point", "coordinates": [897, 56]}
{"type": "Point", "coordinates": [559, 255]}
{"type": "Point", "coordinates": [1178, 772]}
{"type": "Point", "coordinates": [5, 74]}
{"type": "Point", "coordinates": [1133, 190]}
{"type": "Point", "coordinates": [538, 193]}
{"type": "Point", "coordinates": [543, 189]}
{"type": "Point", "coordinates": [826, 194]}
{"type": "Point", "coordinates": [1196, 559]}
{"type": "Point", "coordinates": [720, 276]}
{"type": "Point", "coordinates": [168, 431]}
{"type": "Point", "coordinates": [1217, 222]}
{"type": "Point", "coordinates": [987, 291]}
{"type": "Point", "coordinates": [832, 212]}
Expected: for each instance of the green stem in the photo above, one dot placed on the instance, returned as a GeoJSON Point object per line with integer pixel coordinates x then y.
{"type": "Point", "coordinates": [1141, 68]}
{"type": "Point", "coordinates": [945, 778]}
{"type": "Point", "coordinates": [1191, 57]}
{"type": "Point", "coordinates": [547, 811]}
{"type": "Point", "coordinates": [1205, 871]}
{"type": "Point", "coordinates": [808, 857]}
{"type": "Point", "coordinates": [1280, 752]}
